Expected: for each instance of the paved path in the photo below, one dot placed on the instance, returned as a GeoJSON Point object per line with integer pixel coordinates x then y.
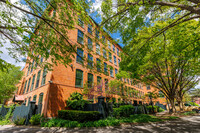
{"type": "Point", "coordinates": [183, 125]}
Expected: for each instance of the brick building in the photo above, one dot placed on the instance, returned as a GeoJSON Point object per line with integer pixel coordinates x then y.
{"type": "Point", "coordinates": [53, 88]}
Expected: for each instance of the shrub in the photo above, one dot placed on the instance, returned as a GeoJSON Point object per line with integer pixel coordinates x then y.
{"type": "Point", "coordinates": [76, 101]}
{"type": "Point", "coordinates": [194, 104]}
{"type": "Point", "coordinates": [160, 109]}
{"type": "Point", "coordinates": [19, 121]}
{"type": "Point", "coordinates": [150, 109]}
{"type": "Point", "coordinates": [35, 119]}
{"type": "Point", "coordinates": [76, 115]}
{"type": "Point", "coordinates": [123, 111]}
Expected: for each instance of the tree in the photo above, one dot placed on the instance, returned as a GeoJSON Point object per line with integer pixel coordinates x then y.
{"type": "Point", "coordinates": [166, 62]}
{"type": "Point", "coordinates": [39, 28]}
{"type": "Point", "coordinates": [8, 80]}
{"type": "Point", "coordinates": [126, 16]}
{"type": "Point", "coordinates": [195, 93]}
{"type": "Point", "coordinates": [186, 85]}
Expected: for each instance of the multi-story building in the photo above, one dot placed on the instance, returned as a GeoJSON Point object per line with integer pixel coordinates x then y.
{"type": "Point", "coordinates": [52, 88]}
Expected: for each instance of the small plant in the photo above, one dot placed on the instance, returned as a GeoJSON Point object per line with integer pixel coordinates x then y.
{"type": "Point", "coordinates": [35, 119]}
{"type": "Point", "coordinates": [19, 121]}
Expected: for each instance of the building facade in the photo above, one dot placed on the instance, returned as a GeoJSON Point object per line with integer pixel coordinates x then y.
{"type": "Point", "coordinates": [53, 88]}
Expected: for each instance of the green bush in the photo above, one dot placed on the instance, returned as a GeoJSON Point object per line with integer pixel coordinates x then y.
{"type": "Point", "coordinates": [123, 111]}
{"type": "Point", "coordinates": [194, 104]}
{"type": "Point", "coordinates": [156, 109]}
{"type": "Point", "coordinates": [76, 115]}
{"type": "Point", "coordinates": [76, 101]}
{"type": "Point", "coordinates": [35, 119]}
{"type": "Point", "coordinates": [160, 109]}
{"type": "Point", "coordinates": [19, 121]}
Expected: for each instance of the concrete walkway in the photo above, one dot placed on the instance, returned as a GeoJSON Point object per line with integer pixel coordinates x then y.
{"type": "Point", "coordinates": [182, 125]}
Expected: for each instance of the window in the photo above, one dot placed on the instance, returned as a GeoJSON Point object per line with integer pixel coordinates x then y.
{"type": "Point", "coordinates": [79, 58]}
{"type": "Point", "coordinates": [38, 79]}
{"type": "Point", "coordinates": [97, 33]}
{"type": "Point", "coordinates": [111, 72]}
{"type": "Point", "coordinates": [89, 28]}
{"type": "Point", "coordinates": [97, 48]}
{"type": "Point", "coordinates": [109, 46]}
{"type": "Point", "coordinates": [105, 68]}
{"type": "Point", "coordinates": [41, 59]}
{"type": "Point", "coordinates": [33, 81]}
{"type": "Point", "coordinates": [98, 64]}
{"type": "Point", "coordinates": [103, 38]}
{"type": "Point", "coordinates": [106, 84]}
{"type": "Point", "coordinates": [104, 53]}
{"type": "Point", "coordinates": [118, 61]}
{"type": "Point", "coordinates": [80, 37]}
{"type": "Point", "coordinates": [115, 60]}
{"type": "Point", "coordinates": [124, 79]}
{"type": "Point", "coordinates": [148, 87]}
{"type": "Point", "coordinates": [99, 86]}
{"type": "Point", "coordinates": [25, 87]}
{"type": "Point", "coordinates": [44, 77]}
{"type": "Point", "coordinates": [90, 80]}
{"type": "Point", "coordinates": [117, 51]}
{"type": "Point", "coordinates": [34, 97]}
{"type": "Point", "coordinates": [36, 62]}
{"type": "Point", "coordinates": [32, 66]}
{"type": "Point", "coordinates": [116, 71]}
{"type": "Point", "coordinates": [90, 43]}
{"type": "Point", "coordinates": [126, 91]}
{"type": "Point", "coordinates": [28, 85]}
{"type": "Point", "coordinates": [113, 48]}
{"type": "Point", "coordinates": [128, 81]}
{"type": "Point", "coordinates": [129, 91]}
{"type": "Point", "coordinates": [29, 99]}
{"type": "Point", "coordinates": [79, 78]}
{"type": "Point", "coordinates": [28, 69]}
{"type": "Point", "coordinates": [40, 98]}
{"type": "Point", "coordinates": [110, 57]}
{"type": "Point", "coordinates": [122, 90]}
{"type": "Point", "coordinates": [80, 22]}
{"type": "Point", "coordinates": [90, 61]}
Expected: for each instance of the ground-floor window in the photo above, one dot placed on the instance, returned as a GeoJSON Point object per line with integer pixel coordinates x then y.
{"type": "Point", "coordinates": [40, 98]}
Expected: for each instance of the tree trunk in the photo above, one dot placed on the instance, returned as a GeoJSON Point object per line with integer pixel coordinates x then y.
{"type": "Point", "coordinates": [173, 109]}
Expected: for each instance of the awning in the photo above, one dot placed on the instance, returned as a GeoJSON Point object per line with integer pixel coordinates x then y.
{"type": "Point", "coordinates": [18, 98]}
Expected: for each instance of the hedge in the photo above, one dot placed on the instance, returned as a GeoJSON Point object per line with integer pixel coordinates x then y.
{"type": "Point", "coordinates": [76, 115]}
{"type": "Point", "coordinates": [123, 111]}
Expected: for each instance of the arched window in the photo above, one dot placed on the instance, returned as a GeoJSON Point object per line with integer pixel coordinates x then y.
{"type": "Point", "coordinates": [79, 78]}
{"type": "Point", "coordinates": [29, 99]}
{"type": "Point", "coordinates": [40, 98]}
{"type": "Point", "coordinates": [34, 97]}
